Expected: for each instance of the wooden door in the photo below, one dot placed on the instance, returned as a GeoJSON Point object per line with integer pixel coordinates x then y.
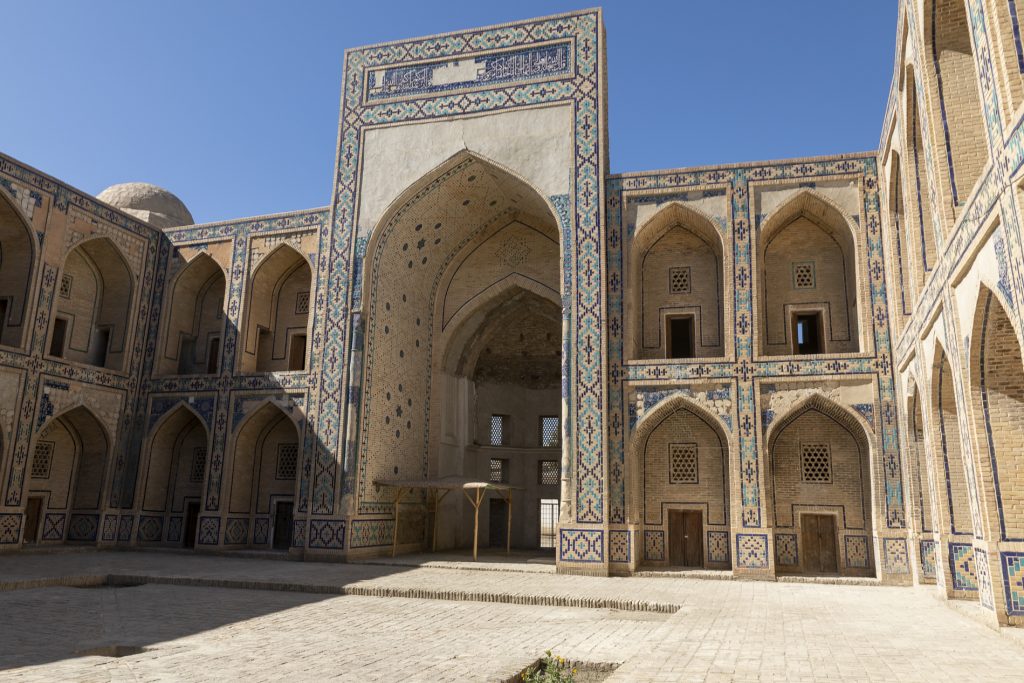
{"type": "Point", "coordinates": [685, 538]}
{"type": "Point", "coordinates": [498, 526]}
{"type": "Point", "coordinates": [818, 538]}
{"type": "Point", "coordinates": [33, 511]}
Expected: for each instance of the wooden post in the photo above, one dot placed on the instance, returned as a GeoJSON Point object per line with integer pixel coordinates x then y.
{"type": "Point", "coordinates": [476, 518]}
{"type": "Point", "coordinates": [394, 537]}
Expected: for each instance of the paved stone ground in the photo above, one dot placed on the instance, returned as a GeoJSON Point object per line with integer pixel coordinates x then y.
{"type": "Point", "coordinates": [723, 630]}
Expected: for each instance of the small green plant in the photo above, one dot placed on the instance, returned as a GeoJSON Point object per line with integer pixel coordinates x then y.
{"type": "Point", "coordinates": [551, 669]}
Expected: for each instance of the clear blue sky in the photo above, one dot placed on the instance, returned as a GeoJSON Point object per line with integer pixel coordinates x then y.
{"type": "Point", "coordinates": [233, 105]}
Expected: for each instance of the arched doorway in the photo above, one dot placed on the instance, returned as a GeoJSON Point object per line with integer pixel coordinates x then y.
{"type": "Point", "coordinates": [173, 482]}
{"type": "Point", "coordinates": [807, 262]}
{"type": "Point", "coordinates": [17, 260]}
{"type": "Point", "coordinates": [92, 308]}
{"type": "Point", "coordinates": [920, 486]}
{"type": "Point", "coordinates": [676, 287]}
{"type": "Point", "coordinates": [819, 481]}
{"type": "Point", "coordinates": [679, 485]}
{"type": "Point", "coordinates": [463, 352]}
{"type": "Point", "coordinates": [263, 488]}
{"type": "Point", "coordinates": [195, 320]}
{"type": "Point", "coordinates": [67, 475]}
{"type": "Point", "coordinates": [277, 328]}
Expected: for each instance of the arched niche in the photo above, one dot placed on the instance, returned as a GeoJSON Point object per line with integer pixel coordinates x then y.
{"type": "Point", "coordinates": [922, 243]}
{"type": "Point", "coordinates": [265, 459]}
{"type": "Point", "coordinates": [678, 485]}
{"type": "Point", "coordinates": [955, 510]}
{"type": "Point", "coordinates": [178, 457]}
{"type": "Point", "coordinates": [918, 466]}
{"type": "Point", "coordinates": [18, 257]}
{"type": "Point", "coordinates": [194, 318]}
{"type": "Point", "coordinates": [997, 394]}
{"type": "Point", "coordinates": [66, 476]}
{"type": "Point", "coordinates": [1004, 21]}
{"type": "Point", "coordinates": [957, 119]}
{"type": "Point", "coordinates": [277, 327]}
{"type": "Point", "coordinates": [808, 271]}
{"type": "Point", "coordinates": [461, 298]}
{"type": "Point", "coordinates": [93, 306]}
{"type": "Point", "coordinates": [899, 259]}
{"type": "Point", "coordinates": [818, 476]}
{"type": "Point", "coordinates": [676, 287]}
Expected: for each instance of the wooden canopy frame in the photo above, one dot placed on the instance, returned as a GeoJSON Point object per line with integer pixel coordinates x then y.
{"type": "Point", "coordinates": [441, 487]}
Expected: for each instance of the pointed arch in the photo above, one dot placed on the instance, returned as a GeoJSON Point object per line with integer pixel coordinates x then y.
{"type": "Point", "coordinates": [676, 272]}
{"type": "Point", "coordinates": [194, 319]}
{"type": "Point", "coordinates": [1005, 20]}
{"type": "Point", "coordinates": [922, 241]}
{"type": "Point", "coordinates": [19, 255]}
{"type": "Point", "coordinates": [898, 243]}
{"type": "Point", "coordinates": [92, 315]}
{"type": "Point", "coordinates": [266, 452]}
{"type": "Point", "coordinates": [997, 394]}
{"type": "Point", "coordinates": [917, 463]}
{"type": "Point", "coordinates": [955, 511]}
{"type": "Point", "coordinates": [959, 129]}
{"type": "Point", "coordinates": [277, 313]}
{"type": "Point", "coordinates": [176, 461]}
{"type": "Point", "coordinates": [818, 477]}
{"type": "Point", "coordinates": [808, 263]}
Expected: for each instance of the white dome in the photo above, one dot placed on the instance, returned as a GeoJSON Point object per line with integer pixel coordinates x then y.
{"type": "Point", "coordinates": [149, 203]}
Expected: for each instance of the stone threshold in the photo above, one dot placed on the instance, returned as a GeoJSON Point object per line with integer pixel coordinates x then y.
{"type": "Point", "coordinates": [367, 589]}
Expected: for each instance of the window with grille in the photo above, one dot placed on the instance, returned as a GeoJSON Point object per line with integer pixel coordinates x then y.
{"type": "Point", "coordinates": [41, 460]}
{"type": "Point", "coordinates": [195, 475]}
{"type": "Point", "coordinates": [65, 286]}
{"type": "Point", "coordinates": [816, 463]}
{"type": "Point", "coordinates": [803, 275]}
{"type": "Point", "coordinates": [682, 463]}
{"type": "Point", "coordinates": [499, 430]}
{"type": "Point", "coordinates": [287, 460]}
{"type": "Point", "coordinates": [679, 280]}
{"type": "Point", "coordinates": [548, 472]}
{"type": "Point", "coordinates": [302, 302]}
{"type": "Point", "coordinates": [549, 431]}
{"type": "Point", "coordinates": [499, 471]}
{"type": "Point", "coordinates": [548, 521]}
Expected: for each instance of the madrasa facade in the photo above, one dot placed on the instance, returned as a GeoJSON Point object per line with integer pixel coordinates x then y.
{"type": "Point", "coordinates": [797, 367]}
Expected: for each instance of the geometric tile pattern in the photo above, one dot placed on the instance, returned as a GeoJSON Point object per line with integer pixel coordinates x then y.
{"type": "Point", "coordinates": [109, 528]}
{"type": "Point", "coordinates": [786, 553]}
{"type": "Point", "coordinates": [53, 526]}
{"type": "Point", "coordinates": [654, 546]}
{"type": "Point", "coordinates": [236, 532]}
{"type": "Point", "coordinates": [857, 551]}
{"type": "Point", "coordinates": [1013, 582]}
{"type": "Point", "coordinates": [961, 567]}
{"type": "Point", "coordinates": [83, 527]}
{"type": "Point", "coordinates": [174, 528]}
{"type": "Point", "coordinates": [327, 533]}
{"type": "Point", "coordinates": [368, 533]}
{"type": "Point", "coordinates": [124, 528]}
{"type": "Point", "coordinates": [984, 579]}
{"type": "Point", "coordinates": [927, 550]}
{"type": "Point", "coordinates": [618, 546]}
{"type": "Point", "coordinates": [752, 551]}
{"type": "Point", "coordinates": [581, 545]}
{"type": "Point", "coordinates": [718, 546]}
{"type": "Point", "coordinates": [209, 530]}
{"type": "Point", "coordinates": [150, 528]}
{"type": "Point", "coordinates": [260, 531]}
{"type": "Point", "coordinates": [897, 557]}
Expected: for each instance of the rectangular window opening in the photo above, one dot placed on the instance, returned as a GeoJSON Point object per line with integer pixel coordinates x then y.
{"type": "Point", "coordinates": [287, 460]}
{"type": "Point", "coordinates": [548, 472]}
{"type": "Point", "coordinates": [548, 521]}
{"type": "Point", "coordinates": [60, 331]}
{"type": "Point", "coordinates": [679, 337]}
{"type": "Point", "coordinates": [186, 355]}
{"type": "Point", "coordinates": [102, 346]}
{"type": "Point", "coordinates": [3, 313]}
{"type": "Point", "coordinates": [499, 471]}
{"type": "Point", "coordinates": [297, 353]}
{"type": "Point", "coordinates": [807, 333]}
{"type": "Point", "coordinates": [549, 431]}
{"type": "Point", "coordinates": [500, 430]}
{"type": "Point", "coordinates": [213, 357]}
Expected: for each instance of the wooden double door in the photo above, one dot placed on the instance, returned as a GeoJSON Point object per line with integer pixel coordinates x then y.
{"type": "Point", "coordinates": [818, 541]}
{"type": "Point", "coordinates": [685, 538]}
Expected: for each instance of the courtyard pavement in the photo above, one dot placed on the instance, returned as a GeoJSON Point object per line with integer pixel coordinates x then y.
{"type": "Point", "coordinates": [230, 618]}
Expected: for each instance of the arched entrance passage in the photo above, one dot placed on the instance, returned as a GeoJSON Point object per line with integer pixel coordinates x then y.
{"type": "Point", "coordinates": [463, 350]}
{"type": "Point", "coordinates": [173, 488]}
{"type": "Point", "coordinates": [277, 330]}
{"type": "Point", "coordinates": [997, 393]}
{"type": "Point", "coordinates": [195, 320]}
{"type": "Point", "coordinates": [679, 486]}
{"type": "Point", "coordinates": [920, 486]}
{"type": "Point", "coordinates": [92, 306]}
{"type": "Point", "coordinates": [819, 491]}
{"type": "Point", "coordinates": [264, 464]}
{"type": "Point", "coordinates": [17, 259]}
{"type": "Point", "coordinates": [66, 478]}
{"type": "Point", "coordinates": [807, 264]}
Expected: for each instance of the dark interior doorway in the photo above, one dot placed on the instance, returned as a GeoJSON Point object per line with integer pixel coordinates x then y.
{"type": "Point", "coordinates": [680, 337]}
{"type": "Point", "coordinates": [191, 524]}
{"type": "Point", "coordinates": [807, 333]}
{"type": "Point", "coordinates": [33, 515]}
{"type": "Point", "coordinates": [685, 538]}
{"type": "Point", "coordinates": [498, 523]}
{"type": "Point", "coordinates": [283, 525]}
